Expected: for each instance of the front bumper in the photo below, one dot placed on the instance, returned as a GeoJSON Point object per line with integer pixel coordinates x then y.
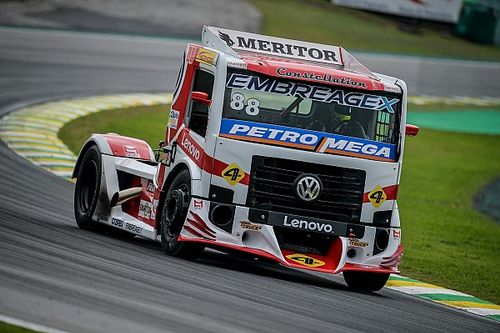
{"type": "Point", "coordinates": [295, 241]}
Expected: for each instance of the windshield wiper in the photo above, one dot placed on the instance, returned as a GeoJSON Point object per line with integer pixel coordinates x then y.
{"type": "Point", "coordinates": [289, 109]}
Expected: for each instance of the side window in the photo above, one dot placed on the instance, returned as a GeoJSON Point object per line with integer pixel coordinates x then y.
{"type": "Point", "coordinates": [198, 117]}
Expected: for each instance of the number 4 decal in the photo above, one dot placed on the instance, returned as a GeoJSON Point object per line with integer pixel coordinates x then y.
{"type": "Point", "coordinates": [233, 174]}
{"type": "Point", "coordinates": [377, 196]}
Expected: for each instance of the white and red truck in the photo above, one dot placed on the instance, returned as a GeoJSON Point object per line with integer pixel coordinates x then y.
{"type": "Point", "coordinates": [285, 150]}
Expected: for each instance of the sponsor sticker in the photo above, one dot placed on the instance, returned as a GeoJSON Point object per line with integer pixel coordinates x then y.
{"type": "Point", "coordinates": [206, 56]}
{"type": "Point", "coordinates": [307, 140]}
{"type": "Point", "coordinates": [250, 226]}
{"type": "Point", "coordinates": [145, 209]}
{"type": "Point", "coordinates": [237, 64]}
{"type": "Point", "coordinates": [198, 204]}
{"type": "Point", "coordinates": [357, 243]}
{"type": "Point", "coordinates": [150, 187]}
{"type": "Point", "coordinates": [102, 218]}
{"type": "Point", "coordinates": [305, 260]}
{"type": "Point", "coordinates": [173, 119]}
{"type": "Point", "coordinates": [309, 91]}
{"type": "Point", "coordinates": [133, 228]}
{"type": "Point", "coordinates": [131, 151]}
{"type": "Point", "coordinates": [297, 223]}
{"type": "Point", "coordinates": [280, 46]}
{"type": "Point", "coordinates": [117, 222]}
{"type": "Point", "coordinates": [233, 174]}
{"type": "Point", "coordinates": [322, 77]}
{"type": "Point", "coordinates": [396, 233]}
{"type": "Point", "coordinates": [377, 196]}
{"type": "Point", "coordinates": [191, 148]}
{"type": "Point", "coordinates": [191, 53]}
{"type": "Point", "coordinates": [155, 207]}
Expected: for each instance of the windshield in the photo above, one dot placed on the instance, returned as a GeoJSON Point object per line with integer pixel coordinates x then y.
{"type": "Point", "coordinates": [340, 114]}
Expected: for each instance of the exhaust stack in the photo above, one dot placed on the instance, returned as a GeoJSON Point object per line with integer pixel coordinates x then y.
{"type": "Point", "coordinates": [125, 195]}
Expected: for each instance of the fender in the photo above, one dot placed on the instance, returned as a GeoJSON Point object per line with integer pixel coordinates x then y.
{"type": "Point", "coordinates": [194, 171]}
{"type": "Point", "coordinates": [119, 146]}
{"type": "Point", "coordinates": [395, 222]}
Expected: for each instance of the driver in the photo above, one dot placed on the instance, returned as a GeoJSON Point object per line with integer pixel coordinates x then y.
{"type": "Point", "coordinates": [351, 124]}
{"type": "Point", "coordinates": [325, 118]}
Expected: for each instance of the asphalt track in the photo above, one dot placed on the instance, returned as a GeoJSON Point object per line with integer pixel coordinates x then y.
{"type": "Point", "coordinates": [54, 274]}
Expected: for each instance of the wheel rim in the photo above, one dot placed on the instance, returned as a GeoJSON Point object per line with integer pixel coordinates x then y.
{"type": "Point", "coordinates": [88, 186]}
{"type": "Point", "coordinates": [176, 209]}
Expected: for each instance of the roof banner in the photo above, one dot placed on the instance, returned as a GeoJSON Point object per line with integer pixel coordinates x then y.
{"type": "Point", "coordinates": [280, 47]}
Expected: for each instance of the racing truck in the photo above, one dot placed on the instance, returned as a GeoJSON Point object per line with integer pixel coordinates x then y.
{"type": "Point", "coordinates": [282, 150]}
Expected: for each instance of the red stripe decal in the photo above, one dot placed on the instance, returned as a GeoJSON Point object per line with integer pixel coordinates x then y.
{"type": "Point", "coordinates": [201, 222]}
{"type": "Point", "coordinates": [257, 252]}
{"type": "Point", "coordinates": [196, 233]}
{"type": "Point", "coordinates": [200, 227]}
{"type": "Point", "coordinates": [269, 141]}
{"type": "Point", "coordinates": [368, 268]}
{"type": "Point", "coordinates": [394, 260]}
{"type": "Point", "coordinates": [347, 153]}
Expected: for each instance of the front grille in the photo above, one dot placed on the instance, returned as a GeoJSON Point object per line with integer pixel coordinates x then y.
{"type": "Point", "coordinates": [271, 188]}
{"type": "Point", "coordinates": [303, 242]}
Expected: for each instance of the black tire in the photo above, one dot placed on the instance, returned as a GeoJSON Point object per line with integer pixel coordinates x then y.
{"type": "Point", "coordinates": [173, 215]}
{"type": "Point", "coordinates": [88, 182]}
{"type": "Point", "coordinates": [365, 281]}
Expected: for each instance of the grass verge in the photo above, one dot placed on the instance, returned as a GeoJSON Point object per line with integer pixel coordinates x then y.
{"type": "Point", "coordinates": [320, 21]}
{"type": "Point", "coordinates": [146, 122]}
{"type": "Point", "coordinates": [447, 242]}
{"type": "Point", "coordinates": [8, 328]}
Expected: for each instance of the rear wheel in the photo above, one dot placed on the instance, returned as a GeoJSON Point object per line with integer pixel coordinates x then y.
{"type": "Point", "coordinates": [87, 186]}
{"type": "Point", "coordinates": [174, 212]}
{"type": "Point", "coordinates": [365, 281]}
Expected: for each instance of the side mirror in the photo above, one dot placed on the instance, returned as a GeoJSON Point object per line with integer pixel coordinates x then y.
{"type": "Point", "coordinates": [411, 130]}
{"type": "Point", "coordinates": [201, 97]}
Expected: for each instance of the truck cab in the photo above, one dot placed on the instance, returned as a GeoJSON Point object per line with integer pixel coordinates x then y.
{"type": "Point", "coordinates": [285, 150]}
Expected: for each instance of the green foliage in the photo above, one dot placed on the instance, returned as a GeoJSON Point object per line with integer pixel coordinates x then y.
{"type": "Point", "coordinates": [320, 21]}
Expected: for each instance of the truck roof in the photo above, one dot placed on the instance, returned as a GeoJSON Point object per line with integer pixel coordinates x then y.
{"type": "Point", "coordinates": [292, 59]}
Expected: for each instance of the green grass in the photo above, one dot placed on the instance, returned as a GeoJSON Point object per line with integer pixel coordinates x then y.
{"type": "Point", "coordinates": [320, 21]}
{"type": "Point", "coordinates": [447, 242]}
{"type": "Point", "coordinates": [147, 123]}
{"type": "Point", "coordinates": [445, 108]}
{"type": "Point", "coordinates": [8, 328]}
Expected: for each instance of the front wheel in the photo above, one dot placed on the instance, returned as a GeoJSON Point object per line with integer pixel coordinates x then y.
{"type": "Point", "coordinates": [173, 215]}
{"type": "Point", "coordinates": [87, 186]}
{"type": "Point", "coordinates": [365, 281]}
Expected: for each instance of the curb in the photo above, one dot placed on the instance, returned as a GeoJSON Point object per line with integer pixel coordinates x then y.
{"type": "Point", "coordinates": [31, 132]}
{"type": "Point", "coordinates": [28, 325]}
{"type": "Point", "coordinates": [444, 296]}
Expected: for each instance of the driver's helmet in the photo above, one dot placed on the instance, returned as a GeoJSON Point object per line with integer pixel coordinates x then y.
{"type": "Point", "coordinates": [343, 112]}
{"type": "Point", "coordinates": [345, 117]}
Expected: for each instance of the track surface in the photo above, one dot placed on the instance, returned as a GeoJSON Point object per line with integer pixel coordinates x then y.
{"type": "Point", "coordinates": [54, 274]}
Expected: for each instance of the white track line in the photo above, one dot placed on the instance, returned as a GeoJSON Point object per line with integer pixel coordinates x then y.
{"type": "Point", "coordinates": [29, 325]}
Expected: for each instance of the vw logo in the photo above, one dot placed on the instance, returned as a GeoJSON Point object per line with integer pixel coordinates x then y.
{"type": "Point", "coordinates": [308, 187]}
